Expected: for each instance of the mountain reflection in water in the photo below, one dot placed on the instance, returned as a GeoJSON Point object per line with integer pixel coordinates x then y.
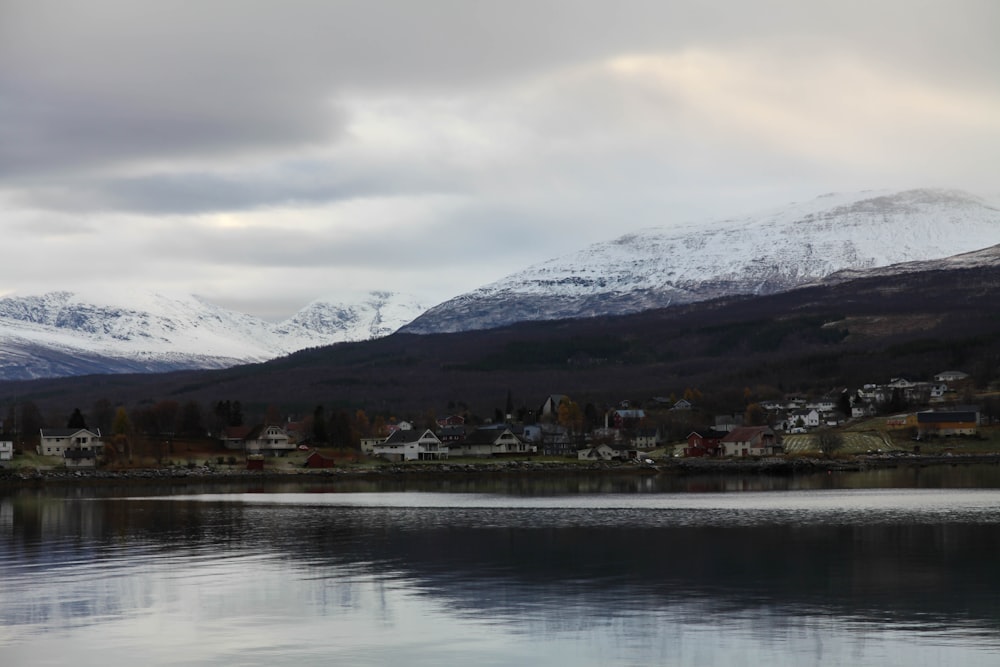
{"type": "Point", "coordinates": [415, 577]}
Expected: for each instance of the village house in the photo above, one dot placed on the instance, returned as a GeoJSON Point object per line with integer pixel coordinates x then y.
{"type": "Point", "coordinates": [412, 445]}
{"type": "Point", "coordinates": [368, 444]}
{"type": "Point", "coordinates": [706, 442]}
{"type": "Point", "coordinates": [951, 376]}
{"type": "Point", "coordinates": [451, 420]}
{"type": "Point", "coordinates": [626, 418]}
{"type": "Point", "coordinates": [317, 460]}
{"type": "Point", "coordinates": [601, 452]}
{"type": "Point", "coordinates": [804, 418]}
{"type": "Point", "coordinates": [822, 405]}
{"type": "Point", "coordinates": [645, 438]}
{"type": "Point", "coordinates": [556, 440]}
{"type": "Point", "coordinates": [750, 441]}
{"type": "Point", "coordinates": [962, 420]}
{"type": "Point", "coordinates": [399, 426]}
{"type": "Point", "coordinates": [6, 450]}
{"type": "Point", "coordinates": [550, 408]}
{"type": "Point", "coordinates": [79, 447]}
{"type": "Point", "coordinates": [484, 442]}
{"type": "Point", "coordinates": [450, 434]}
{"type": "Point", "coordinates": [263, 439]}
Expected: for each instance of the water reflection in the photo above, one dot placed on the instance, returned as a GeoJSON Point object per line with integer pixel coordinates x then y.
{"type": "Point", "coordinates": [405, 577]}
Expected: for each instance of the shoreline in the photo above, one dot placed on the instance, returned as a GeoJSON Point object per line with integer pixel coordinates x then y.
{"type": "Point", "coordinates": [10, 477]}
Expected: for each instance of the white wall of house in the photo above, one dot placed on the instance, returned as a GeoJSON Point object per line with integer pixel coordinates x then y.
{"type": "Point", "coordinates": [55, 442]}
{"type": "Point", "coordinates": [418, 450]}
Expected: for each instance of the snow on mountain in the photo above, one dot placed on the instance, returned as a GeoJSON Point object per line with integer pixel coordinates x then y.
{"type": "Point", "coordinates": [771, 252]}
{"type": "Point", "coordinates": [378, 314]}
{"type": "Point", "coordinates": [67, 333]}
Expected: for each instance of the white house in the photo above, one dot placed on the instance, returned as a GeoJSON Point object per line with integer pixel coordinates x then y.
{"type": "Point", "coordinates": [261, 439]}
{"type": "Point", "coordinates": [368, 444]}
{"type": "Point", "coordinates": [750, 441]}
{"type": "Point", "coordinates": [6, 450]}
{"type": "Point", "coordinates": [55, 441]}
{"type": "Point", "coordinates": [411, 445]}
{"type": "Point", "coordinates": [600, 452]}
{"type": "Point", "coordinates": [78, 446]}
{"type": "Point", "coordinates": [490, 442]}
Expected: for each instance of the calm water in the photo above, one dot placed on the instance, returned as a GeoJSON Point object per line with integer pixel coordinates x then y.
{"type": "Point", "coordinates": [886, 568]}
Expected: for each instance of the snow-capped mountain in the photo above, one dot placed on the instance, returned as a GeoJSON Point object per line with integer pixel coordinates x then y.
{"type": "Point", "coordinates": [378, 314]}
{"type": "Point", "coordinates": [66, 333]}
{"type": "Point", "coordinates": [760, 254]}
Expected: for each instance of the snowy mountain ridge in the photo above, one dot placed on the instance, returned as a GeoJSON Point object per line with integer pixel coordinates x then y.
{"type": "Point", "coordinates": [766, 253]}
{"type": "Point", "coordinates": [67, 333]}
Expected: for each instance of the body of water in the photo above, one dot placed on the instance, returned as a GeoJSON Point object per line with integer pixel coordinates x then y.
{"type": "Point", "coordinates": [886, 568]}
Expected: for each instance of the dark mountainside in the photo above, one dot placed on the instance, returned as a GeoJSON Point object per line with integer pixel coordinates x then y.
{"type": "Point", "coordinates": [812, 339]}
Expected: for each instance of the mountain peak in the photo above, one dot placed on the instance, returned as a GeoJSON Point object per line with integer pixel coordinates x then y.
{"type": "Point", "coordinates": [764, 253]}
{"type": "Point", "coordinates": [67, 333]}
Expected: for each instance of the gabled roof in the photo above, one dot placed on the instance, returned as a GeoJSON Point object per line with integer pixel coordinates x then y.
{"type": "Point", "coordinates": [407, 436]}
{"type": "Point", "coordinates": [948, 416]}
{"type": "Point", "coordinates": [709, 433]}
{"type": "Point", "coordinates": [747, 433]}
{"type": "Point", "coordinates": [67, 432]}
{"type": "Point", "coordinates": [235, 432]}
{"type": "Point", "coordinates": [257, 431]}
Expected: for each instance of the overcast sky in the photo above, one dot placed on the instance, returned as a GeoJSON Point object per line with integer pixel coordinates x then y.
{"type": "Point", "coordinates": [265, 154]}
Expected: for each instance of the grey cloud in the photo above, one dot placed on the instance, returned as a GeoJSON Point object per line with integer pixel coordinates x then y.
{"type": "Point", "coordinates": [201, 192]}
{"type": "Point", "coordinates": [49, 133]}
{"type": "Point", "coordinates": [107, 81]}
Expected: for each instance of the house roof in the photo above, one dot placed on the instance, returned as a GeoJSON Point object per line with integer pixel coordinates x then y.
{"type": "Point", "coordinates": [67, 432]}
{"type": "Point", "coordinates": [236, 432]}
{"type": "Point", "coordinates": [709, 434]}
{"type": "Point", "coordinates": [406, 436]}
{"type": "Point", "coordinates": [747, 433]}
{"type": "Point", "coordinates": [945, 417]}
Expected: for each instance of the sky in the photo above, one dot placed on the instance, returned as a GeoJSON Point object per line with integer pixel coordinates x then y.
{"type": "Point", "coordinates": [267, 154]}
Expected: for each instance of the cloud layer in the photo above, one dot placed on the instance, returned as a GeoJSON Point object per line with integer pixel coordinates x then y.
{"type": "Point", "coordinates": [265, 154]}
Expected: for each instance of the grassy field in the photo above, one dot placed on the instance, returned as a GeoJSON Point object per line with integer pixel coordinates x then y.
{"type": "Point", "coordinates": [855, 442]}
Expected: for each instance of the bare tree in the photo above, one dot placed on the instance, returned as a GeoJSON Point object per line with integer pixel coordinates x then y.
{"type": "Point", "coordinates": [829, 442]}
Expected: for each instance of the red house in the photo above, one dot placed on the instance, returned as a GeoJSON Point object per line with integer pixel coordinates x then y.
{"type": "Point", "coordinates": [451, 420]}
{"type": "Point", "coordinates": [707, 442]}
{"type": "Point", "coordinates": [317, 460]}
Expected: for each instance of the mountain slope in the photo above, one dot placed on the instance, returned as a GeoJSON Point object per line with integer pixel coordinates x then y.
{"type": "Point", "coordinates": [761, 254]}
{"type": "Point", "coordinates": [810, 339]}
{"type": "Point", "coordinates": [65, 333]}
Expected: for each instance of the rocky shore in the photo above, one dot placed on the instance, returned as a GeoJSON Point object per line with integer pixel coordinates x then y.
{"type": "Point", "coordinates": [443, 469]}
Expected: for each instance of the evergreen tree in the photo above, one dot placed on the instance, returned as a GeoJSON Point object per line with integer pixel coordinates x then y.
{"type": "Point", "coordinates": [236, 414]}
{"type": "Point", "coordinates": [76, 420]}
